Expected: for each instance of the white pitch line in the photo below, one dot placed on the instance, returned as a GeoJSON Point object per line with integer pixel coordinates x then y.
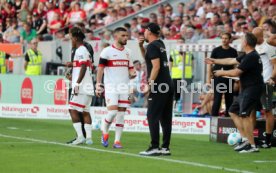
{"type": "Point", "coordinates": [7, 142]}
{"type": "Point", "coordinates": [264, 161]}
{"type": "Point", "coordinates": [196, 164]}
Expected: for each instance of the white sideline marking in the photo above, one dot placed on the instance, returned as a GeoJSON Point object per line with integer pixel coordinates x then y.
{"type": "Point", "coordinates": [7, 142]}
{"type": "Point", "coordinates": [264, 161]}
{"type": "Point", "coordinates": [130, 154]}
{"type": "Point", "coordinates": [12, 128]}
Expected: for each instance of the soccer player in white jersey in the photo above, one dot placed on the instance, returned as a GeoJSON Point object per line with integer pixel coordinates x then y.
{"type": "Point", "coordinates": [116, 65]}
{"type": "Point", "coordinates": [82, 87]}
{"type": "Point", "coordinates": [267, 53]}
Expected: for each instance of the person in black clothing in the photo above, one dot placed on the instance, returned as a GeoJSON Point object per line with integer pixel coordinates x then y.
{"type": "Point", "coordinates": [220, 52]}
{"type": "Point", "coordinates": [160, 102]}
{"type": "Point", "coordinates": [70, 64]}
{"type": "Point", "coordinates": [243, 109]}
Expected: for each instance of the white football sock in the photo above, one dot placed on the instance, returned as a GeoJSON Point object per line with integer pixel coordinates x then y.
{"type": "Point", "coordinates": [119, 126]}
{"type": "Point", "coordinates": [88, 130]}
{"type": "Point", "coordinates": [108, 120]}
{"type": "Point", "coordinates": [244, 139]}
{"type": "Point", "coordinates": [77, 127]}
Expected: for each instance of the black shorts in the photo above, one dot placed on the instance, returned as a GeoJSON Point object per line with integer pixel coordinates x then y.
{"type": "Point", "coordinates": [247, 101]}
{"type": "Point", "coordinates": [266, 98]}
{"type": "Point", "coordinates": [177, 89]}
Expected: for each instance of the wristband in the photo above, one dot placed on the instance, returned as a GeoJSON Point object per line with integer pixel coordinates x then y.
{"type": "Point", "coordinates": [77, 84]}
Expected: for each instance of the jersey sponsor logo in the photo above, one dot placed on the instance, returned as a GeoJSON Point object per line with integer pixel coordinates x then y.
{"type": "Point", "coordinates": [117, 63]}
{"type": "Point", "coordinates": [27, 91]}
{"type": "Point", "coordinates": [60, 93]}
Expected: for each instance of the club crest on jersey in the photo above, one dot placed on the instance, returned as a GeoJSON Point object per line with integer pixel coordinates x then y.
{"type": "Point", "coordinates": [162, 49]}
{"type": "Point", "coordinates": [127, 55]}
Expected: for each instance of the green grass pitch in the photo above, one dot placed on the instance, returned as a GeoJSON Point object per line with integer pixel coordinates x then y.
{"type": "Point", "coordinates": [38, 146]}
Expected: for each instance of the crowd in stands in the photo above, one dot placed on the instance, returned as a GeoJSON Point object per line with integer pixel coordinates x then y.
{"type": "Point", "coordinates": [22, 20]}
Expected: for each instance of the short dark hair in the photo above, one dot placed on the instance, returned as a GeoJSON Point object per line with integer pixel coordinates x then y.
{"type": "Point", "coordinates": [77, 33]}
{"type": "Point", "coordinates": [250, 39]}
{"type": "Point", "coordinates": [227, 34]}
{"type": "Point", "coordinates": [136, 61]}
{"type": "Point", "coordinates": [119, 29]}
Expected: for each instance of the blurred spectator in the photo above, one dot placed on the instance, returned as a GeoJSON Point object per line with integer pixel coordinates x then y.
{"type": "Point", "coordinates": [111, 18]}
{"type": "Point", "coordinates": [39, 24]}
{"type": "Point", "coordinates": [90, 35]}
{"type": "Point", "coordinates": [212, 32]}
{"type": "Point", "coordinates": [12, 33]}
{"type": "Point", "coordinates": [180, 9]}
{"type": "Point", "coordinates": [56, 24]}
{"type": "Point", "coordinates": [27, 34]}
{"type": "Point", "coordinates": [258, 18]}
{"type": "Point", "coordinates": [24, 11]}
{"type": "Point", "coordinates": [76, 15]}
{"type": "Point", "coordinates": [50, 11]}
{"type": "Point", "coordinates": [189, 36]}
{"type": "Point", "coordinates": [161, 20]}
{"type": "Point", "coordinates": [153, 18]}
{"type": "Point", "coordinates": [225, 17]}
{"type": "Point", "coordinates": [174, 33]}
{"type": "Point", "coordinates": [100, 8]}
{"type": "Point", "coordinates": [122, 13]}
{"type": "Point", "coordinates": [134, 24]}
{"type": "Point", "coordinates": [89, 7]}
{"type": "Point", "coordinates": [138, 98]}
{"type": "Point", "coordinates": [62, 12]}
{"type": "Point", "coordinates": [137, 7]}
{"type": "Point", "coordinates": [129, 9]}
{"type": "Point", "coordinates": [40, 10]}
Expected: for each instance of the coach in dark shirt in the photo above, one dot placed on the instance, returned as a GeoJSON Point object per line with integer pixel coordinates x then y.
{"type": "Point", "coordinates": [243, 109]}
{"type": "Point", "coordinates": [221, 52]}
{"type": "Point", "coordinates": [160, 100]}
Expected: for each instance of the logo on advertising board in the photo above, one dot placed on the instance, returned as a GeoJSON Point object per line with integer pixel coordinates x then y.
{"type": "Point", "coordinates": [27, 91]}
{"type": "Point", "coordinates": [60, 93]}
{"type": "Point", "coordinates": [57, 112]}
{"type": "Point", "coordinates": [20, 111]}
{"type": "Point", "coordinates": [200, 124]}
{"type": "Point", "coordinates": [227, 130]}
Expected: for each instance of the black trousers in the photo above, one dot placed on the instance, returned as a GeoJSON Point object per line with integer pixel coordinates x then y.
{"type": "Point", "coordinates": [80, 116]}
{"type": "Point", "coordinates": [160, 112]}
{"type": "Point", "coordinates": [228, 95]}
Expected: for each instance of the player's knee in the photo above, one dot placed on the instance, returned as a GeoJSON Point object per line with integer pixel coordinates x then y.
{"type": "Point", "coordinates": [120, 117]}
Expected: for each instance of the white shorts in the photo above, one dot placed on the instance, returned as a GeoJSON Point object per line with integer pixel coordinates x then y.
{"type": "Point", "coordinates": [80, 102]}
{"type": "Point", "coordinates": [120, 100]}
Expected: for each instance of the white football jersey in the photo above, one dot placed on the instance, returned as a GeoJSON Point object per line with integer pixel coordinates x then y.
{"type": "Point", "coordinates": [82, 56]}
{"type": "Point", "coordinates": [266, 52]}
{"type": "Point", "coordinates": [119, 62]}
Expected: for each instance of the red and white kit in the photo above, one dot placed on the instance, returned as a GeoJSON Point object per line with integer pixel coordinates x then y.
{"type": "Point", "coordinates": [82, 101]}
{"type": "Point", "coordinates": [116, 75]}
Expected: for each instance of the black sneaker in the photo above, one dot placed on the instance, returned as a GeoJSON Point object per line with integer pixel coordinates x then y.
{"type": "Point", "coordinates": [263, 144]}
{"type": "Point", "coordinates": [151, 152]}
{"type": "Point", "coordinates": [70, 142]}
{"type": "Point", "coordinates": [165, 152]}
{"type": "Point", "coordinates": [241, 146]}
{"type": "Point", "coordinates": [249, 149]}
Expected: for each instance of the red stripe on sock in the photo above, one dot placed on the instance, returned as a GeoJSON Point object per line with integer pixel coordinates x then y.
{"type": "Point", "coordinates": [119, 125]}
{"type": "Point", "coordinates": [107, 121]}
